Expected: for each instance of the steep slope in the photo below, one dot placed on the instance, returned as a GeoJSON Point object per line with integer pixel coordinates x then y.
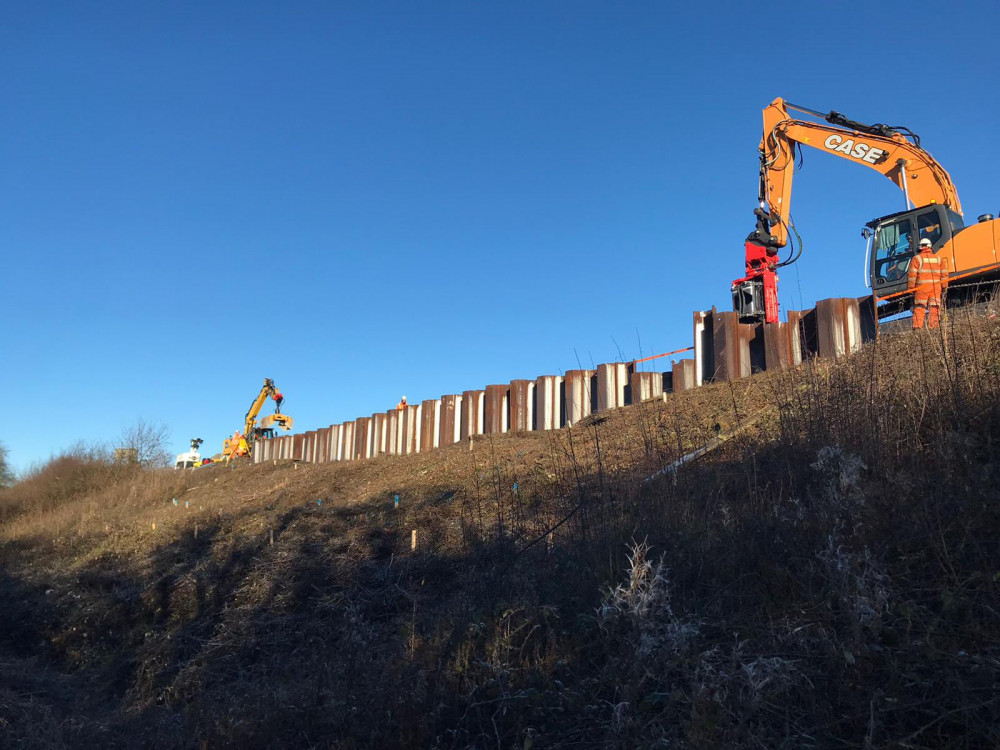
{"type": "Point", "coordinates": [826, 576]}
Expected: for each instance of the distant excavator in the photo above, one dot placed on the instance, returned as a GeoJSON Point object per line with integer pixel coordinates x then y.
{"type": "Point", "coordinates": [191, 459]}
{"type": "Point", "coordinates": [238, 445]}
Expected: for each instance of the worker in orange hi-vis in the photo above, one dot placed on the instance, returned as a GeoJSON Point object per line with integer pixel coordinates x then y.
{"type": "Point", "coordinates": [278, 398]}
{"type": "Point", "coordinates": [402, 404]}
{"type": "Point", "coordinates": [927, 278]}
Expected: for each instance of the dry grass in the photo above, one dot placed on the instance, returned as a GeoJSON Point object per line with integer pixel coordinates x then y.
{"type": "Point", "coordinates": [826, 577]}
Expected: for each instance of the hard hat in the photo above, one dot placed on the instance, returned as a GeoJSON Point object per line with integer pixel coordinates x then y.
{"type": "Point", "coordinates": [403, 399]}
{"type": "Point", "coordinates": [926, 243]}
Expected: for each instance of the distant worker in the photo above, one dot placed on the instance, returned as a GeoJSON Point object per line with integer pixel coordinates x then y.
{"type": "Point", "coordinates": [927, 278]}
{"type": "Point", "coordinates": [278, 398]}
{"type": "Point", "coordinates": [402, 404]}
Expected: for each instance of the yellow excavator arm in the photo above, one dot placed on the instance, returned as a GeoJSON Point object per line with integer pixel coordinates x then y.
{"type": "Point", "coordinates": [266, 391]}
{"type": "Point", "coordinates": [894, 152]}
{"type": "Point", "coordinates": [239, 444]}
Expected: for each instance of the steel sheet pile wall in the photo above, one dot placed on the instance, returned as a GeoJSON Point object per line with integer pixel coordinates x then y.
{"type": "Point", "coordinates": [411, 429]}
{"type": "Point", "coordinates": [361, 438]}
{"type": "Point", "coordinates": [804, 323]}
{"type": "Point", "coordinates": [579, 395]}
{"type": "Point", "coordinates": [322, 435]}
{"type": "Point", "coordinates": [393, 432]}
{"type": "Point", "coordinates": [684, 375]}
{"type": "Point", "coordinates": [333, 449]}
{"type": "Point", "coordinates": [430, 424]}
{"type": "Point", "coordinates": [336, 440]}
{"type": "Point", "coordinates": [703, 365]}
{"type": "Point", "coordinates": [646, 386]}
{"type": "Point", "coordinates": [612, 386]}
{"type": "Point", "coordinates": [724, 350]}
{"type": "Point", "coordinates": [495, 413]}
{"type": "Point", "coordinates": [838, 323]}
{"type": "Point", "coordinates": [522, 405]}
{"type": "Point", "coordinates": [347, 446]}
{"type": "Point", "coordinates": [451, 420]}
{"type": "Point", "coordinates": [782, 349]}
{"type": "Point", "coordinates": [549, 402]}
{"type": "Point", "coordinates": [473, 413]}
{"type": "Point", "coordinates": [378, 434]}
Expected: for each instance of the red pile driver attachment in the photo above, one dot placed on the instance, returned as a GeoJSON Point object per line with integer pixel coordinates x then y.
{"type": "Point", "coordinates": [755, 296]}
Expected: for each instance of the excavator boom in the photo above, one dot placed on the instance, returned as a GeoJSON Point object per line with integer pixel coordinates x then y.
{"type": "Point", "coordinates": [886, 149]}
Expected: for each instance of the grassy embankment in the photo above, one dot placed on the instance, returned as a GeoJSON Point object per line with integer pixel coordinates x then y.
{"type": "Point", "coordinates": [828, 577]}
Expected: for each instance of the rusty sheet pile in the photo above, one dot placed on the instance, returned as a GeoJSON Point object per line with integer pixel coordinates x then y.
{"type": "Point", "coordinates": [724, 350]}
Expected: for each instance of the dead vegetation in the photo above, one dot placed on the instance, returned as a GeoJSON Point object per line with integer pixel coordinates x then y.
{"type": "Point", "coordinates": [827, 577]}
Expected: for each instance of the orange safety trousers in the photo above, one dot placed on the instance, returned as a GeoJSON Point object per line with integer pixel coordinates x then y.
{"type": "Point", "coordinates": [929, 308]}
{"type": "Point", "coordinates": [927, 277]}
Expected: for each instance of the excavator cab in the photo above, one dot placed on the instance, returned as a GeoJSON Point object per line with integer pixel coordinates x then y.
{"type": "Point", "coordinates": [892, 249]}
{"type": "Point", "coordinates": [268, 426]}
{"type": "Point", "coordinates": [895, 239]}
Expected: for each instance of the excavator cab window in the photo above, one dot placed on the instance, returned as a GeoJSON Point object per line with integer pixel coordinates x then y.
{"type": "Point", "coordinates": [956, 220]}
{"type": "Point", "coordinates": [929, 227]}
{"type": "Point", "coordinates": [893, 250]}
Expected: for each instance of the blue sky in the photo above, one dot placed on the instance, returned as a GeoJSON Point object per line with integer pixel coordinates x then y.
{"type": "Point", "coordinates": [361, 200]}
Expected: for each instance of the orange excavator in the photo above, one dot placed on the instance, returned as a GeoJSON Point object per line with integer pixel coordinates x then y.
{"type": "Point", "coordinates": [933, 212]}
{"type": "Point", "coordinates": [239, 444]}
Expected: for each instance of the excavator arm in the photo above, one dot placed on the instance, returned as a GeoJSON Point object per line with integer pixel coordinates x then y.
{"type": "Point", "coordinates": [239, 444]}
{"type": "Point", "coordinates": [266, 391]}
{"type": "Point", "coordinates": [894, 152]}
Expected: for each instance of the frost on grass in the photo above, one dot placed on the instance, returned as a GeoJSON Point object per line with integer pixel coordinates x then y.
{"type": "Point", "coordinates": [839, 474]}
{"type": "Point", "coordinates": [858, 579]}
{"type": "Point", "coordinates": [739, 681]}
{"type": "Point", "coordinates": [641, 607]}
{"type": "Point", "coordinates": [856, 576]}
{"type": "Point", "coordinates": [645, 636]}
{"type": "Point", "coordinates": [834, 492]}
{"type": "Point", "coordinates": [662, 670]}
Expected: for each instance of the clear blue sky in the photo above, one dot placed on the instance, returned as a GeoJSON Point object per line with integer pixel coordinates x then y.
{"type": "Point", "coordinates": [362, 200]}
